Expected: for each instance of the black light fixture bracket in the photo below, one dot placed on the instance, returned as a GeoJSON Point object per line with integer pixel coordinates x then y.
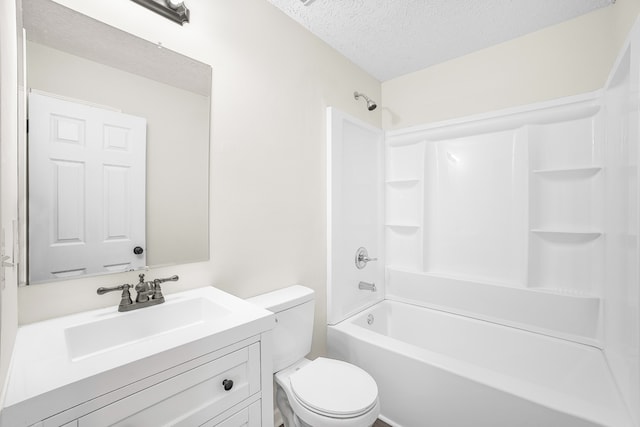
{"type": "Point", "coordinates": [173, 10]}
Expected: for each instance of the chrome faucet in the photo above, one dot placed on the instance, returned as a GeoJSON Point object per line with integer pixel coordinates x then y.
{"type": "Point", "coordinates": [148, 293]}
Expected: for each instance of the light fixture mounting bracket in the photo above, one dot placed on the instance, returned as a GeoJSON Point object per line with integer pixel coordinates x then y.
{"type": "Point", "coordinates": [177, 13]}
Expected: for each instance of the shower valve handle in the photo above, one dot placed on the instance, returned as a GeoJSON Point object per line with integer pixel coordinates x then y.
{"type": "Point", "coordinates": [362, 258]}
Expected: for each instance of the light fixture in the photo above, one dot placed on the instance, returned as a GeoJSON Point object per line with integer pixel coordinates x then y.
{"type": "Point", "coordinates": [171, 9]}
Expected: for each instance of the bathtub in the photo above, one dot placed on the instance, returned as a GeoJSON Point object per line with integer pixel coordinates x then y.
{"type": "Point", "coordinates": [436, 369]}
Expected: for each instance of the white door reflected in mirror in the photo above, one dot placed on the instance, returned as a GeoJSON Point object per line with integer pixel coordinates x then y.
{"type": "Point", "coordinates": [86, 189]}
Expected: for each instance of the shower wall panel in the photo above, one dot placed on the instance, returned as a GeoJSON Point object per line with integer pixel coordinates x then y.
{"type": "Point", "coordinates": [621, 290]}
{"type": "Point", "coordinates": [354, 213]}
{"type": "Point", "coordinates": [475, 223]}
{"type": "Point", "coordinates": [515, 199]}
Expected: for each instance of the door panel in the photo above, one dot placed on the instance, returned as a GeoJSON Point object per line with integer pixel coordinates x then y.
{"type": "Point", "coordinates": [86, 189]}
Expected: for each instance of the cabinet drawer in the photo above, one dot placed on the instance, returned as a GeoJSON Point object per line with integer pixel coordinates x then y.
{"type": "Point", "coordinates": [246, 417]}
{"type": "Point", "coordinates": [73, 423]}
{"type": "Point", "coordinates": [199, 390]}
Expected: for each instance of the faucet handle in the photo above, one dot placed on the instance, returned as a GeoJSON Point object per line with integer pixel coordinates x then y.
{"type": "Point", "coordinates": [168, 279]}
{"type": "Point", "coordinates": [103, 290]}
{"type": "Point", "coordinates": [157, 290]}
{"type": "Point", "coordinates": [362, 258]}
{"type": "Point", "coordinates": [125, 298]}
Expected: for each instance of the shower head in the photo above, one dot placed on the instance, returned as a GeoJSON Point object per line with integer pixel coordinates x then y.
{"type": "Point", "coordinates": [371, 105]}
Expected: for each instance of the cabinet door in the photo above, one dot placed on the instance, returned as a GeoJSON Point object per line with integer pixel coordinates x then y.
{"type": "Point", "coordinates": [185, 396]}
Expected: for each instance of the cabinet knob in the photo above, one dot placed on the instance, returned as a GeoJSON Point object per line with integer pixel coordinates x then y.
{"type": "Point", "coordinates": [227, 384]}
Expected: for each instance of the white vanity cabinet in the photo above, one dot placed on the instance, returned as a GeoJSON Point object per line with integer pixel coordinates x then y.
{"type": "Point", "coordinates": [222, 378]}
{"type": "Point", "coordinates": [187, 399]}
{"type": "Point", "coordinates": [195, 397]}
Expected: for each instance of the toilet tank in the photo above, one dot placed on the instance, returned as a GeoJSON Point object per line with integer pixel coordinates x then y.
{"type": "Point", "coordinates": [293, 307]}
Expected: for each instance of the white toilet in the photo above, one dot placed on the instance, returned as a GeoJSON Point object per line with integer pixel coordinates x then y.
{"type": "Point", "coordinates": [319, 393]}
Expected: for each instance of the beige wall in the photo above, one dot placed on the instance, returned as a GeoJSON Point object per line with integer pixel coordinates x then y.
{"type": "Point", "coordinates": [272, 81]}
{"type": "Point", "coordinates": [566, 59]}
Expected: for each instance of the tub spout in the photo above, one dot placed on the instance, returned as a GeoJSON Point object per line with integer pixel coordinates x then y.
{"type": "Point", "coordinates": [366, 286]}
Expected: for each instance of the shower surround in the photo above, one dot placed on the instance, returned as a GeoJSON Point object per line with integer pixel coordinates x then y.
{"type": "Point", "coordinates": [508, 208]}
{"type": "Point", "coordinates": [526, 218]}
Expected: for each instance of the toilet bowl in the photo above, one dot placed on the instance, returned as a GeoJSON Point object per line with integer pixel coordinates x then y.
{"type": "Point", "coordinates": [314, 393]}
{"type": "Point", "coordinates": [327, 393]}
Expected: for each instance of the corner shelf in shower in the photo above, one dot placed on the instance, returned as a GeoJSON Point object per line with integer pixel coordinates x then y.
{"type": "Point", "coordinates": [403, 228]}
{"type": "Point", "coordinates": [403, 182]}
{"type": "Point", "coordinates": [568, 236]}
{"type": "Point", "coordinates": [403, 245]}
{"type": "Point", "coordinates": [576, 172]}
{"type": "Point", "coordinates": [404, 202]}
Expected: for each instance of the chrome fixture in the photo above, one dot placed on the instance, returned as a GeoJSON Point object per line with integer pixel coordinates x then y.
{"type": "Point", "coordinates": [371, 105]}
{"type": "Point", "coordinates": [362, 258]}
{"type": "Point", "coordinates": [148, 293]}
{"type": "Point", "coordinates": [307, 2]}
{"type": "Point", "coordinates": [171, 9]}
{"type": "Point", "coordinates": [366, 286]}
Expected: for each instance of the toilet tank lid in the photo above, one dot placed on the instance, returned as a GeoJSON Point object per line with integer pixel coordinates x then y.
{"type": "Point", "coordinates": [283, 299]}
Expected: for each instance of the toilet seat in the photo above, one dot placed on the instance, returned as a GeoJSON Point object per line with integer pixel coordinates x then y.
{"type": "Point", "coordinates": [334, 388]}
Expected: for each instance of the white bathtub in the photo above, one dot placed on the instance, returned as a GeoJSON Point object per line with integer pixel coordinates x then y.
{"type": "Point", "coordinates": [436, 369]}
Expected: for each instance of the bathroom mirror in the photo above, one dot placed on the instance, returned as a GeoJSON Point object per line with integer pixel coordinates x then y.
{"type": "Point", "coordinates": [76, 59]}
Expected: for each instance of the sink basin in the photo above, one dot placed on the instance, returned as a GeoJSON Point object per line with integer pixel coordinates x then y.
{"type": "Point", "coordinates": [120, 329]}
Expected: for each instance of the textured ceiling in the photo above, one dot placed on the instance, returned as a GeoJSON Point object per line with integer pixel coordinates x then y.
{"type": "Point", "coordinates": [389, 38]}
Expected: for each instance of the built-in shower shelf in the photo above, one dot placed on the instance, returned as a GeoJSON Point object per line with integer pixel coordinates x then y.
{"type": "Point", "coordinates": [568, 236]}
{"type": "Point", "coordinates": [403, 227]}
{"type": "Point", "coordinates": [578, 172]}
{"type": "Point", "coordinates": [402, 182]}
